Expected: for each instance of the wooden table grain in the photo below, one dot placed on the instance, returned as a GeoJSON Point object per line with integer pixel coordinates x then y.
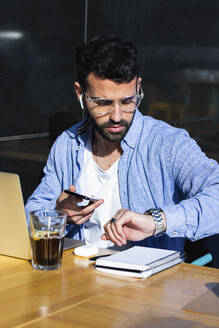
{"type": "Point", "coordinates": [77, 295]}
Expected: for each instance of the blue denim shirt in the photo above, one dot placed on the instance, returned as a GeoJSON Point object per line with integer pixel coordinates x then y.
{"type": "Point", "coordinates": [161, 166]}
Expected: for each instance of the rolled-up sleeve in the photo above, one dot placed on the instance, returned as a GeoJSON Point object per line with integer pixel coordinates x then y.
{"type": "Point", "coordinates": [197, 176]}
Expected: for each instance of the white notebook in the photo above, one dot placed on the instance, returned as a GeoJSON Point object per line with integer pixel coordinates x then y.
{"type": "Point", "coordinates": [139, 261]}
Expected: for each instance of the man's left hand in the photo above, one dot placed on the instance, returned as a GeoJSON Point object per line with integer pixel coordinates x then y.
{"type": "Point", "coordinates": [128, 225]}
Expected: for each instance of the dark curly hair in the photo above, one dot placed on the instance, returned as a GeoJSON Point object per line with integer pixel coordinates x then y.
{"type": "Point", "coordinates": [108, 58]}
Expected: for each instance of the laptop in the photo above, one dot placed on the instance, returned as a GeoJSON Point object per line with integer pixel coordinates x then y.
{"type": "Point", "coordinates": [14, 240]}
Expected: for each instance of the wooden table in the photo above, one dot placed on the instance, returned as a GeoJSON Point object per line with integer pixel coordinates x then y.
{"type": "Point", "coordinates": [78, 296]}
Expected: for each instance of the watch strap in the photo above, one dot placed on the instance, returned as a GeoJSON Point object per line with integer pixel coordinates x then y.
{"type": "Point", "coordinates": [156, 214]}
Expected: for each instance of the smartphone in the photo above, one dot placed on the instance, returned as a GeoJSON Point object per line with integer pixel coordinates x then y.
{"type": "Point", "coordinates": [72, 193]}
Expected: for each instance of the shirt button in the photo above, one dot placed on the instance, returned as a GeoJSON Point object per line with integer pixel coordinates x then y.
{"type": "Point", "coordinates": [212, 163]}
{"type": "Point", "coordinates": [175, 233]}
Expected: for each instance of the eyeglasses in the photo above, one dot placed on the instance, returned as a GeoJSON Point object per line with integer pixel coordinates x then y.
{"type": "Point", "coordinates": [129, 104]}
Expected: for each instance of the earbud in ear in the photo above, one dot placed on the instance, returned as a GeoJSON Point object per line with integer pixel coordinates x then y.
{"type": "Point", "coordinates": [81, 101]}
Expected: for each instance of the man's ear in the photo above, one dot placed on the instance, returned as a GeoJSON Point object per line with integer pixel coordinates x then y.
{"type": "Point", "coordinates": [78, 89]}
{"type": "Point", "coordinates": [139, 80]}
{"type": "Point", "coordinates": [79, 94]}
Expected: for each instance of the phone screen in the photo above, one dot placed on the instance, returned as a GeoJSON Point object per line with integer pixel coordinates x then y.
{"type": "Point", "coordinates": [72, 193]}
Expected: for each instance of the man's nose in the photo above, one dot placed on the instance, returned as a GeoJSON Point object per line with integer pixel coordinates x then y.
{"type": "Point", "coordinates": [116, 112]}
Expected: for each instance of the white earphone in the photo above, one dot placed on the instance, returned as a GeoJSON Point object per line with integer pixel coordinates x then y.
{"type": "Point", "coordinates": [81, 101]}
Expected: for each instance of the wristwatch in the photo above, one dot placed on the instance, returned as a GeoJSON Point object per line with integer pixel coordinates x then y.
{"type": "Point", "coordinates": [158, 220]}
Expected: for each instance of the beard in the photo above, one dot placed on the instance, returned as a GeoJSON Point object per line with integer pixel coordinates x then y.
{"type": "Point", "coordinates": [107, 135]}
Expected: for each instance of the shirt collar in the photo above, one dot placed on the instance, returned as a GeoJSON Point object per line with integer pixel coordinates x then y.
{"type": "Point", "coordinates": [83, 126]}
{"type": "Point", "coordinates": [134, 131]}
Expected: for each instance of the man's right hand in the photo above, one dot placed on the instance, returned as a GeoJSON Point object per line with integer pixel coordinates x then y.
{"type": "Point", "coordinates": [76, 214]}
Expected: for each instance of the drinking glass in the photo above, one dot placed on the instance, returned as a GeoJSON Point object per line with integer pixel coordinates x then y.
{"type": "Point", "coordinates": [47, 230]}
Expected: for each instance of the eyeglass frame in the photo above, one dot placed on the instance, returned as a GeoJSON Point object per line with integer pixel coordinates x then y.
{"type": "Point", "coordinates": [140, 96]}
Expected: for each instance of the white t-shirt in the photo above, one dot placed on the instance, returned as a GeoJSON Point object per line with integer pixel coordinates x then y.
{"type": "Point", "coordinates": [98, 183]}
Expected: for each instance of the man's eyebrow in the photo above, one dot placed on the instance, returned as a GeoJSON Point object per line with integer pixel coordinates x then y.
{"type": "Point", "coordinates": [103, 98]}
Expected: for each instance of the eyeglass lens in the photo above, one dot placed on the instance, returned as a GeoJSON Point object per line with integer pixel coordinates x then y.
{"type": "Point", "coordinates": [103, 106]}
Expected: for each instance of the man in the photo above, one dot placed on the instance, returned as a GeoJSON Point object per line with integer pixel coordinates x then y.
{"type": "Point", "coordinates": [155, 186]}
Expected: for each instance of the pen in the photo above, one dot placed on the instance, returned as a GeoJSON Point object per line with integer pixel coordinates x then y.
{"type": "Point", "coordinates": [94, 258]}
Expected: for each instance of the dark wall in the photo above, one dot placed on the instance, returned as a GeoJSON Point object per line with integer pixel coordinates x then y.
{"type": "Point", "coordinates": [170, 33]}
{"type": "Point", "coordinates": [37, 66]}
{"type": "Point", "coordinates": [37, 48]}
